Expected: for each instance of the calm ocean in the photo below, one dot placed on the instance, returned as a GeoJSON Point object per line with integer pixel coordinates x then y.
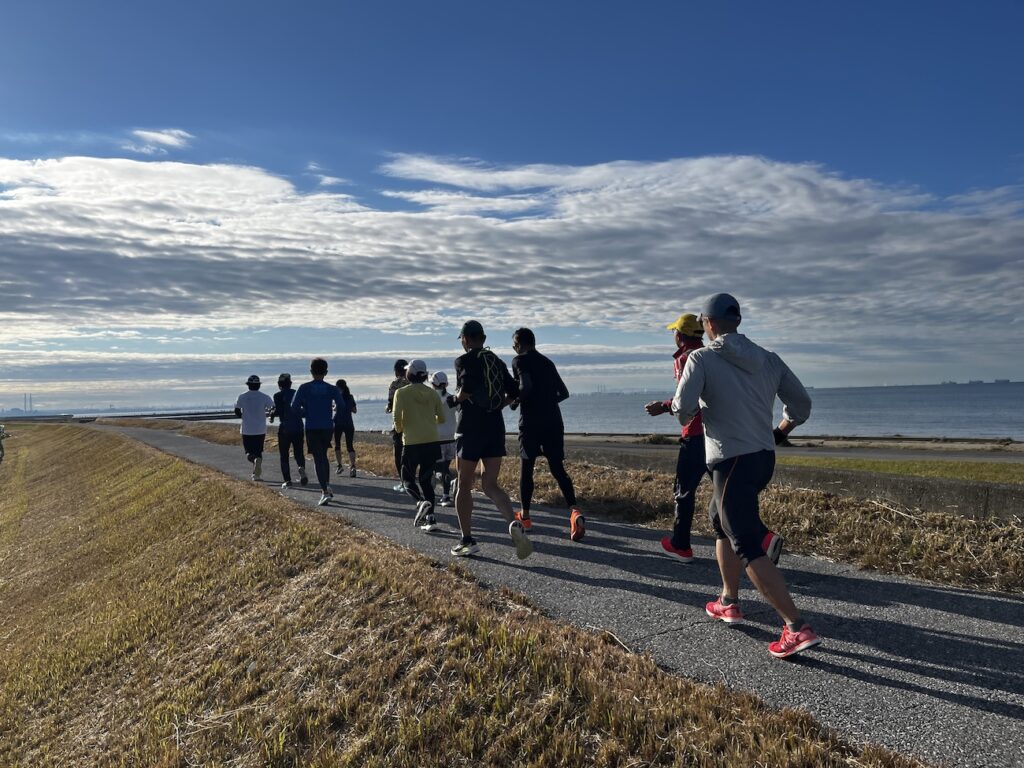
{"type": "Point", "coordinates": [947, 410]}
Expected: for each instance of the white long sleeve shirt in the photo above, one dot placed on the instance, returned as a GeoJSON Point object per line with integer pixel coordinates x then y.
{"type": "Point", "coordinates": [734, 382]}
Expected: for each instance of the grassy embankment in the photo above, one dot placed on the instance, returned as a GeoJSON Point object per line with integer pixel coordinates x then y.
{"type": "Point", "coordinates": [946, 548]}
{"type": "Point", "coordinates": [156, 613]}
{"type": "Point", "coordinates": [977, 471]}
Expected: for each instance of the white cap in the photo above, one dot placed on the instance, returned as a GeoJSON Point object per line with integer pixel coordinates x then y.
{"type": "Point", "coordinates": [439, 379]}
{"type": "Point", "coordinates": [416, 366]}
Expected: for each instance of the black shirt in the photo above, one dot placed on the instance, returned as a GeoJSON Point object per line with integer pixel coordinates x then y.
{"type": "Point", "coordinates": [290, 421]}
{"type": "Point", "coordinates": [469, 378]}
{"type": "Point", "coordinates": [541, 389]}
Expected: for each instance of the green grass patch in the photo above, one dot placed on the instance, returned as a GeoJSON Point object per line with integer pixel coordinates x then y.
{"type": "Point", "coordinates": [980, 471]}
{"type": "Point", "coordinates": [170, 616]}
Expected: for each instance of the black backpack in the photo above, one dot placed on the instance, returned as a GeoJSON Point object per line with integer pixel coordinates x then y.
{"type": "Point", "coordinates": [490, 396]}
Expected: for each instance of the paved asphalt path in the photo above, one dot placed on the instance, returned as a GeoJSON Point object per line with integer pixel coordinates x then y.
{"type": "Point", "coordinates": [925, 670]}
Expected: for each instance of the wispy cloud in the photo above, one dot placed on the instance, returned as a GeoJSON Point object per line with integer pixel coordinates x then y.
{"type": "Point", "coordinates": [869, 271]}
{"type": "Point", "coordinates": [158, 142]}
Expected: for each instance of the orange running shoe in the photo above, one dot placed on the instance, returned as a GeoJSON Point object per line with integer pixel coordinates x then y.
{"type": "Point", "coordinates": [526, 521]}
{"type": "Point", "coordinates": [577, 524]}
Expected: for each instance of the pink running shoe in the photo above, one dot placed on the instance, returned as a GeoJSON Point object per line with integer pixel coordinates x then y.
{"type": "Point", "coordinates": [730, 614]}
{"type": "Point", "coordinates": [793, 642]}
{"type": "Point", "coordinates": [682, 555]}
{"type": "Point", "coordinates": [772, 546]}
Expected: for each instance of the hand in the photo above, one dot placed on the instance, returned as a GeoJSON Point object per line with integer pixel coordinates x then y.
{"type": "Point", "coordinates": [655, 408]}
{"type": "Point", "coordinates": [780, 437]}
{"type": "Point", "coordinates": [514, 404]}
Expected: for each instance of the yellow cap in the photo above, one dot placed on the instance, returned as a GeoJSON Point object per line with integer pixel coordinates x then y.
{"type": "Point", "coordinates": [687, 325]}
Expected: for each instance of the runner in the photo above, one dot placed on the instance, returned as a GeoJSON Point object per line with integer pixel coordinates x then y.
{"type": "Point", "coordinates": [541, 430]}
{"type": "Point", "coordinates": [690, 464]}
{"type": "Point", "coordinates": [313, 401]}
{"type": "Point", "coordinates": [4, 434]}
{"type": "Point", "coordinates": [396, 437]}
{"type": "Point", "coordinates": [483, 387]}
{"type": "Point", "coordinates": [734, 382]}
{"type": "Point", "coordinates": [418, 411]}
{"type": "Point", "coordinates": [252, 408]}
{"type": "Point", "coordinates": [290, 433]}
{"type": "Point", "coordinates": [343, 425]}
{"type": "Point", "coordinates": [446, 439]}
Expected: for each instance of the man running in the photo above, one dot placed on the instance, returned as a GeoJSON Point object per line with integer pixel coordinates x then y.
{"type": "Point", "coordinates": [690, 464]}
{"type": "Point", "coordinates": [445, 438]}
{"type": "Point", "coordinates": [483, 387]}
{"type": "Point", "coordinates": [314, 401]}
{"type": "Point", "coordinates": [345, 427]}
{"type": "Point", "coordinates": [4, 434]}
{"type": "Point", "coordinates": [734, 382]}
{"type": "Point", "coordinates": [252, 408]}
{"type": "Point", "coordinates": [418, 411]}
{"type": "Point", "coordinates": [396, 436]}
{"type": "Point", "coordinates": [290, 433]}
{"type": "Point", "coordinates": [541, 430]}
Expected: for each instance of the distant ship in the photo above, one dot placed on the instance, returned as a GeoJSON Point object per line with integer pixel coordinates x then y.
{"type": "Point", "coordinates": [975, 381]}
{"type": "Point", "coordinates": [1001, 381]}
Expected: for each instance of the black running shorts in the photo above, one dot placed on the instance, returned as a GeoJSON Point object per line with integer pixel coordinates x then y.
{"type": "Point", "coordinates": [474, 447]}
{"type": "Point", "coordinates": [319, 440]}
{"type": "Point", "coordinates": [253, 445]}
{"type": "Point", "coordinates": [534, 443]}
{"type": "Point", "coordinates": [734, 511]}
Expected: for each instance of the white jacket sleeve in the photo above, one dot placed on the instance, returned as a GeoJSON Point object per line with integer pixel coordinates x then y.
{"type": "Point", "coordinates": [795, 400]}
{"type": "Point", "coordinates": [686, 401]}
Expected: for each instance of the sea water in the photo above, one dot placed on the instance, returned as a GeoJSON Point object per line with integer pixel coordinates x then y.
{"type": "Point", "coordinates": [947, 410]}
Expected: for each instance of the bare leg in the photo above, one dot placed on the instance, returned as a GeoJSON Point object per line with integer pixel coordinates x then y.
{"type": "Point", "coordinates": [494, 491]}
{"type": "Point", "coordinates": [730, 566]}
{"type": "Point", "coordinates": [464, 496]}
{"type": "Point", "coordinates": [770, 583]}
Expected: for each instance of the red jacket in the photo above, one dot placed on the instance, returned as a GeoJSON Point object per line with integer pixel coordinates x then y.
{"type": "Point", "coordinates": [694, 427]}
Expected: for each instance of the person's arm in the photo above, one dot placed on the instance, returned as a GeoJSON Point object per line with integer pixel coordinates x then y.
{"type": "Point", "coordinates": [439, 411]}
{"type": "Point", "coordinates": [398, 411]}
{"type": "Point", "coordinates": [687, 398]}
{"type": "Point", "coordinates": [391, 398]}
{"type": "Point", "coordinates": [561, 391]}
{"type": "Point", "coordinates": [464, 379]}
{"type": "Point", "coordinates": [299, 401]}
{"type": "Point", "coordinates": [352, 405]}
{"type": "Point", "coordinates": [512, 392]}
{"type": "Point", "coordinates": [796, 404]}
{"type": "Point", "coordinates": [238, 409]}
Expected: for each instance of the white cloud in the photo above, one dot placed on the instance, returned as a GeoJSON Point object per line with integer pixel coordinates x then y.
{"type": "Point", "coordinates": [873, 275]}
{"type": "Point", "coordinates": [158, 142]}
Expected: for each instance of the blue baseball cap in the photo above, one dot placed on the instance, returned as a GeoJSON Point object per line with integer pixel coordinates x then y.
{"type": "Point", "coordinates": [721, 306]}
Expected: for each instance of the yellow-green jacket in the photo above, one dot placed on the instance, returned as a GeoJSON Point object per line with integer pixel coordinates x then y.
{"type": "Point", "coordinates": [418, 410]}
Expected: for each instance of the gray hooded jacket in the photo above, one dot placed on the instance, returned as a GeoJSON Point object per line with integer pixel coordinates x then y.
{"type": "Point", "coordinates": [734, 383]}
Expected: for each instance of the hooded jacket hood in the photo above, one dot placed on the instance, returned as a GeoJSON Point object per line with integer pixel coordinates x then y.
{"type": "Point", "coordinates": [737, 349]}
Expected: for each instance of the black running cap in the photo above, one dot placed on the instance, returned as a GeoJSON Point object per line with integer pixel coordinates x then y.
{"type": "Point", "coordinates": [471, 328]}
{"type": "Point", "coordinates": [254, 379]}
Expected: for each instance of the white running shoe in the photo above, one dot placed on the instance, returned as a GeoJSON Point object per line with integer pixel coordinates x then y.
{"type": "Point", "coordinates": [257, 471]}
{"type": "Point", "coordinates": [400, 488]}
{"type": "Point", "coordinates": [422, 510]}
{"type": "Point", "coordinates": [523, 544]}
{"type": "Point", "coordinates": [429, 524]}
{"type": "Point", "coordinates": [324, 499]}
{"type": "Point", "coordinates": [286, 484]}
{"type": "Point", "coordinates": [446, 501]}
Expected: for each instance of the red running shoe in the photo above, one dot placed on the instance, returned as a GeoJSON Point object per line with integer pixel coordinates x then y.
{"type": "Point", "coordinates": [772, 546]}
{"type": "Point", "coordinates": [793, 642]}
{"type": "Point", "coordinates": [682, 555]}
{"type": "Point", "coordinates": [577, 524]}
{"type": "Point", "coordinates": [527, 523]}
{"type": "Point", "coordinates": [730, 614]}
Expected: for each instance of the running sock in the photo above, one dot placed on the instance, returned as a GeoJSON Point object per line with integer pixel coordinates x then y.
{"type": "Point", "coordinates": [730, 600]}
{"type": "Point", "coordinates": [794, 626]}
{"type": "Point", "coordinates": [468, 540]}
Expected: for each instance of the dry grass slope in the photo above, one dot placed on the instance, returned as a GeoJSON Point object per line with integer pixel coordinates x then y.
{"type": "Point", "coordinates": [156, 613]}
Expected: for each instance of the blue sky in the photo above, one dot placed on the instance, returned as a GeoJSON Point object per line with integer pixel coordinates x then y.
{"type": "Point", "coordinates": [191, 191]}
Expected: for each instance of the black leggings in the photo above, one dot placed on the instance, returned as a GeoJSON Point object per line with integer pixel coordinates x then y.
{"type": "Point", "coordinates": [349, 431]}
{"type": "Point", "coordinates": [290, 442]}
{"type": "Point", "coordinates": [319, 440]}
{"type": "Point", "coordinates": [557, 471]}
{"type": "Point", "coordinates": [418, 466]}
{"type": "Point", "coordinates": [396, 438]}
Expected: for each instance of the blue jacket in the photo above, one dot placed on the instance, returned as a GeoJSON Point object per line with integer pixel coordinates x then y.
{"type": "Point", "coordinates": [313, 402]}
